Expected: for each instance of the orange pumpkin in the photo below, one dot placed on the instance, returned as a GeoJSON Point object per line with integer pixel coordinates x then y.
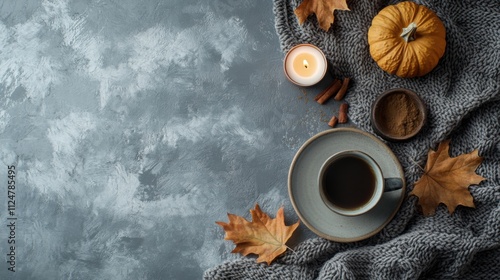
{"type": "Point", "coordinates": [407, 39]}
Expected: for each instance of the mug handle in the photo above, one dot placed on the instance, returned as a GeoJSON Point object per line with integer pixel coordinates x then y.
{"type": "Point", "coordinates": [392, 184]}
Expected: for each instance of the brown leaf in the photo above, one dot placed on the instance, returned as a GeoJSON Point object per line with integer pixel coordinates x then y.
{"type": "Point", "coordinates": [323, 10]}
{"type": "Point", "coordinates": [446, 180]}
{"type": "Point", "coordinates": [262, 236]}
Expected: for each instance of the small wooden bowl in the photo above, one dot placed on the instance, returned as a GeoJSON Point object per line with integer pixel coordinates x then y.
{"type": "Point", "coordinates": [388, 116]}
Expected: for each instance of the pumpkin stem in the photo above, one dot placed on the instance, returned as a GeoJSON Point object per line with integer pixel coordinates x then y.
{"type": "Point", "coordinates": [408, 33]}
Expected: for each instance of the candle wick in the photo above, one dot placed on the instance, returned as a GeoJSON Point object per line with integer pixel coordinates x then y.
{"type": "Point", "coordinates": [305, 63]}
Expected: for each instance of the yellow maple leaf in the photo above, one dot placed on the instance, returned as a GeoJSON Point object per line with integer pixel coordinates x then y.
{"type": "Point", "coordinates": [262, 236]}
{"type": "Point", "coordinates": [446, 180]}
{"type": "Point", "coordinates": [323, 9]}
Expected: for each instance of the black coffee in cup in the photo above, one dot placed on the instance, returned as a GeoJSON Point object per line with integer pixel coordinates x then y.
{"type": "Point", "coordinates": [348, 182]}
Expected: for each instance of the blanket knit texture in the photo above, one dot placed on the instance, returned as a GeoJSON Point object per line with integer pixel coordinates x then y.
{"type": "Point", "coordinates": [463, 98]}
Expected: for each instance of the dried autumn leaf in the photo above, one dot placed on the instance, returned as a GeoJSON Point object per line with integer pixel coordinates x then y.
{"type": "Point", "coordinates": [262, 236]}
{"type": "Point", "coordinates": [446, 180]}
{"type": "Point", "coordinates": [323, 10]}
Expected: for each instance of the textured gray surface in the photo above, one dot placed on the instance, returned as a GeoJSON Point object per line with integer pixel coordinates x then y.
{"type": "Point", "coordinates": [135, 125]}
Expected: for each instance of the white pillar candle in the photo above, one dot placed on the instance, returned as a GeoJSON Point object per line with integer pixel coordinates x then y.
{"type": "Point", "coordinates": [305, 65]}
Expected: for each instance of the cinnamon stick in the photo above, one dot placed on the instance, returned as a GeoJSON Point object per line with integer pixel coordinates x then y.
{"type": "Point", "coordinates": [343, 112]}
{"type": "Point", "coordinates": [330, 91]}
{"type": "Point", "coordinates": [318, 96]}
{"type": "Point", "coordinates": [342, 90]}
{"type": "Point", "coordinates": [333, 121]}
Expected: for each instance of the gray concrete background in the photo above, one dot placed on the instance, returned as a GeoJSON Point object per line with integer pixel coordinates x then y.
{"type": "Point", "coordinates": [135, 125]}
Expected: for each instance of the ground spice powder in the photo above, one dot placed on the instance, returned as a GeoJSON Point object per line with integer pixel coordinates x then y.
{"type": "Point", "coordinates": [400, 115]}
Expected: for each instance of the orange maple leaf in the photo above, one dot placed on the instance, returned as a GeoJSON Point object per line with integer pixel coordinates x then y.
{"type": "Point", "coordinates": [323, 10]}
{"type": "Point", "coordinates": [446, 180]}
{"type": "Point", "coordinates": [262, 236]}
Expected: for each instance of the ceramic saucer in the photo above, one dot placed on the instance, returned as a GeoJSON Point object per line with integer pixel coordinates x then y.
{"type": "Point", "coordinates": [304, 192]}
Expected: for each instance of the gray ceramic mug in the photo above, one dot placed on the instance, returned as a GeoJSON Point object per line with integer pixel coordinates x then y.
{"type": "Point", "coordinates": [351, 183]}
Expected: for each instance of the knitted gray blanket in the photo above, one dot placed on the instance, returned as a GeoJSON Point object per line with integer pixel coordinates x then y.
{"type": "Point", "coordinates": [463, 97]}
